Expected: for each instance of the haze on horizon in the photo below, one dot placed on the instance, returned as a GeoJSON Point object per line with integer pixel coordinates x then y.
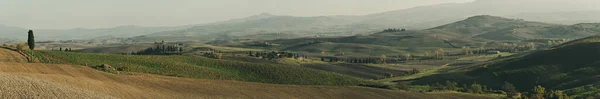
{"type": "Point", "coordinates": [66, 14]}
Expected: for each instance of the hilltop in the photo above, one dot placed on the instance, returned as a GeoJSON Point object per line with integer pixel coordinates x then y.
{"type": "Point", "coordinates": [485, 23]}
{"type": "Point", "coordinates": [499, 28]}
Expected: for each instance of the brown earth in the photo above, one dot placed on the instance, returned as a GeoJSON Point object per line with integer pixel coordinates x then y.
{"type": "Point", "coordinates": [33, 80]}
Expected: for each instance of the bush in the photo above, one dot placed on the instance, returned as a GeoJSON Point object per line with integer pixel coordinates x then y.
{"type": "Point", "coordinates": [21, 47]}
{"type": "Point", "coordinates": [475, 88]}
{"type": "Point", "coordinates": [402, 86]}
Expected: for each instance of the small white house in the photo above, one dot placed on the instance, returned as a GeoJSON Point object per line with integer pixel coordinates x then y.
{"type": "Point", "coordinates": [493, 52]}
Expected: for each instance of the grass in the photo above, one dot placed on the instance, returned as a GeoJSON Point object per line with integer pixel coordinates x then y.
{"type": "Point", "coordinates": [454, 94]}
{"type": "Point", "coordinates": [223, 48]}
{"type": "Point", "coordinates": [204, 68]}
{"type": "Point", "coordinates": [424, 73]}
{"type": "Point", "coordinates": [484, 57]}
{"type": "Point", "coordinates": [567, 67]}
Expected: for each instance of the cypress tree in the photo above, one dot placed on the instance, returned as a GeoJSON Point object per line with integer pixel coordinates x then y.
{"type": "Point", "coordinates": [30, 40]}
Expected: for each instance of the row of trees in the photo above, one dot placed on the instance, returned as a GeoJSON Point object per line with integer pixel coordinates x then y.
{"type": "Point", "coordinates": [65, 49]}
{"type": "Point", "coordinates": [276, 55]}
{"type": "Point", "coordinates": [506, 48]}
{"type": "Point", "coordinates": [353, 60]}
{"type": "Point", "coordinates": [393, 30]}
{"type": "Point", "coordinates": [453, 86]}
{"type": "Point", "coordinates": [161, 50]}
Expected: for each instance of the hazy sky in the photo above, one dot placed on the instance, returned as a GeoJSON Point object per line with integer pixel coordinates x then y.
{"type": "Point", "coordinates": [62, 14]}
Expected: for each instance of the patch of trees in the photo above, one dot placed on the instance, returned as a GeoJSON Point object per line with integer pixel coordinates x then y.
{"type": "Point", "coordinates": [393, 30]}
{"type": "Point", "coordinates": [261, 44]}
{"type": "Point", "coordinates": [537, 92]}
{"type": "Point", "coordinates": [544, 40]}
{"type": "Point", "coordinates": [372, 60]}
{"type": "Point", "coordinates": [406, 73]}
{"type": "Point", "coordinates": [161, 50]}
{"type": "Point", "coordinates": [275, 55]}
{"type": "Point", "coordinates": [453, 86]}
{"type": "Point", "coordinates": [488, 50]}
{"type": "Point", "coordinates": [313, 42]}
{"type": "Point", "coordinates": [213, 54]}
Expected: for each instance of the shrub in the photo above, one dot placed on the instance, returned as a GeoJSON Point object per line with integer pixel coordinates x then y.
{"type": "Point", "coordinates": [402, 85]}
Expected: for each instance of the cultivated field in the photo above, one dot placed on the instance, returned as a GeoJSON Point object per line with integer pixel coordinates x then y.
{"type": "Point", "coordinates": [34, 80]}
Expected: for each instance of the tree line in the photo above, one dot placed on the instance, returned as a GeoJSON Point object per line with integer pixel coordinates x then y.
{"type": "Point", "coordinates": [537, 92]}
{"type": "Point", "coordinates": [160, 50]}
{"type": "Point", "coordinates": [393, 30]}
{"type": "Point", "coordinates": [275, 55]}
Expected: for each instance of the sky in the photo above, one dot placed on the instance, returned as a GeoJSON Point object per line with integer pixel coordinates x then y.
{"type": "Point", "coordinates": [66, 14]}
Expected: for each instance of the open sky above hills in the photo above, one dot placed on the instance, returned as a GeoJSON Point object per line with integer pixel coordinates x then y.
{"type": "Point", "coordinates": [63, 14]}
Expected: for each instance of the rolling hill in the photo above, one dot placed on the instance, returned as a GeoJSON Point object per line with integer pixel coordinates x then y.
{"type": "Point", "coordinates": [203, 68]}
{"type": "Point", "coordinates": [568, 67]}
{"type": "Point", "coordinates": [35, 80]}
{"type": "Point", "coordinates": [473, 31]}
{"type": "Point", "coordinates": [269, 27]}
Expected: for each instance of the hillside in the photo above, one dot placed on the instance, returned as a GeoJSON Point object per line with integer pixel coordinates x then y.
{"type": "Point", "coordinates": [434, 15]}
{"type": "Point", "coordinates": [117, 49]}
{"type": "Point", "coordinates": [23, 80]}
{"type": "Point", "coordinates": [485, 23]}
{"type": "Point", "coordinates": [204, 68]}
{"type": "Point", "coordinates": [34, 80]}
{"type": "Point", "coordinates": [531, 32]}
{"type": "Point", "coordinates": [567, 67]}
{"type": "Point", "coordinates": [561, 17]}
{"type": "Point", "coordinates": [498, 28]}
{"type": "Point", "coordinates": [469, 32]}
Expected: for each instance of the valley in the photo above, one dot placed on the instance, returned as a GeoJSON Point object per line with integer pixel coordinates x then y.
{"type": "Point", "coordinates": [475, 49]}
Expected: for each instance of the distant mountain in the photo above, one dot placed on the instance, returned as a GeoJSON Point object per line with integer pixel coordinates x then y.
{"type": "Point", "coordinates": [8, 32]}
{"type": "Point", "coordinates": [485, 23]}
{"type": "Point", "coordinates": [537, 10]}
{"type": "Point", "coordinates": [267, 27]}
{"type": "Point", "coordinates": [11, 33]}
{"type": "Point", "coordinates": [498, 28]}
{"type": "Point", "coordinates": [567, 17]}
{"type": "Point", "coordinates": [472, 31]}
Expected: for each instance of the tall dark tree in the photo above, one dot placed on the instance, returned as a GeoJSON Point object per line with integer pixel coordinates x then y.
{"type": "Point", "coordinates": [30, 40]}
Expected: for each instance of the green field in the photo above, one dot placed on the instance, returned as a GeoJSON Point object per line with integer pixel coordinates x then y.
{"type": "Point", "coordinates": [571, 67]}
{"type": "Point", "coordinates": [204, 68]}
